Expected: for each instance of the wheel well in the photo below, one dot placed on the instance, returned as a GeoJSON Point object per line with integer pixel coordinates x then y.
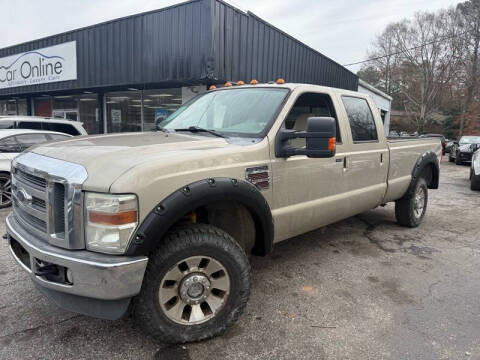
{"type": "Point", "coordinates": [430, 173]}
{"type": "Point", "coordinates": [232, 217]}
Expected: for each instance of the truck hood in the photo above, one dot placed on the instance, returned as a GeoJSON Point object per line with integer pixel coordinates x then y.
{"type": "Point", "coordinates": [107, 157]}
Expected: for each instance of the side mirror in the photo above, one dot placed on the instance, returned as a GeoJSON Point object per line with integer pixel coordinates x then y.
{"type": "Point", "coordinates": [320, 139]}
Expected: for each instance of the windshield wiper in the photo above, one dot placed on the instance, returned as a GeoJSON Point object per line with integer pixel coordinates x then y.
{"type": "Point", "coordinates": [200, 129]}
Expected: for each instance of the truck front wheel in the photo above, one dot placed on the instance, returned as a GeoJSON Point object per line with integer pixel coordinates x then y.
{"type": "Point", "coordinates": [197, 284]}
{"type": "Point", "coordinates": [410, 210]}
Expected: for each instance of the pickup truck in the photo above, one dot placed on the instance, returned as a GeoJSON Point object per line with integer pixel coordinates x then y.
{"type": "Point", "coordinates": [163, 223]}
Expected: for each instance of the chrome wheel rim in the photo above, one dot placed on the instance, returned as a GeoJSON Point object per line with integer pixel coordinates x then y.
{"type": "Point", "coordinates": [194, 290]}
{"type": "Point", "coordinates": [419, 202]}
{"type": "Point", "coordinates": [5, 192]}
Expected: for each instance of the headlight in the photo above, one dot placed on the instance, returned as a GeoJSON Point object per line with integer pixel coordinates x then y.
{"type": "Point", "coordinates": [110, 221]}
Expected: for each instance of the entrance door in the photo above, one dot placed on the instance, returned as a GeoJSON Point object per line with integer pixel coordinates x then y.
{"type": "Point", "coordinates": [309, 192]}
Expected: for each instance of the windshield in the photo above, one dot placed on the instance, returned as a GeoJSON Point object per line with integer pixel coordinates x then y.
{"type": "Point", "coordinates": [237, 112]}
{"type": "Point", "coordinates": [470, 140]}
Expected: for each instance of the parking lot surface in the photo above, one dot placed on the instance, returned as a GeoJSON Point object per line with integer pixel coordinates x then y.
{"type": "Point", "coordinates": [363, 288]}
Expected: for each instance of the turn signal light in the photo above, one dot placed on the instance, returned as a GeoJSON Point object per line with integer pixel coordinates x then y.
{"type": "Point", "coordinates": [332, 143]}
{"type": "Point", "coordinates": [125, 217]}
{"type": "Point", "coordinates": [254, 82]}
{"type": "Point", "coordinates": [228, 84]}
{"type": "Point", "coordinates": [212, 87]}
{"type": "Point", "coordinates": [240, 82]}
{"type": "Point", "coordinates": [280, 81]}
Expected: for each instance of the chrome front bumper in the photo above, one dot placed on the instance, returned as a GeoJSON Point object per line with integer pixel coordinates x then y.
{"type": "Point", "coordinates": [94, 276]}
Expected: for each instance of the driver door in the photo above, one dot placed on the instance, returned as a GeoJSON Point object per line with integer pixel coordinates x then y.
{"type": "Point", "coordinates": [308, 191]}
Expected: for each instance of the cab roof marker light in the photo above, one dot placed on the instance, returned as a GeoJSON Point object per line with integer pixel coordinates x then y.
{"type": "Point", "coordinates": [280, 81]}
{"type": "Point", "coordinates": [254, 82]}
{"type": "Point", "coordinates": [212, 87]}
{"type": "Point", "coordinates": [240, 82]}
{"type": "Point", "coordinates": [228, 84]}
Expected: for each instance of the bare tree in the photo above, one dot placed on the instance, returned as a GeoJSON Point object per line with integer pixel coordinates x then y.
{"type": "Point", "coordinates": [429, 54]}
{"type": "Point", "coordinates": [469, 24]}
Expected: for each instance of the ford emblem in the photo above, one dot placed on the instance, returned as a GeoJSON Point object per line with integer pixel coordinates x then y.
{"type": "Point", "coordinates": [23, 197]}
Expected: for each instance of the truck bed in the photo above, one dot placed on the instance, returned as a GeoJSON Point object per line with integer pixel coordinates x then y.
{"type": "Point", "coordinates": [404, 152]}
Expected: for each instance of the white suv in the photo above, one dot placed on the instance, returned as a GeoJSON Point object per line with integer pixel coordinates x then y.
{"type": "Point", "coordinates": [69, 127]}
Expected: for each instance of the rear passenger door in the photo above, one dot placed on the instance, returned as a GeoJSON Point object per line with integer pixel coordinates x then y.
{"type": "Point", "coordinates": [367, 160]}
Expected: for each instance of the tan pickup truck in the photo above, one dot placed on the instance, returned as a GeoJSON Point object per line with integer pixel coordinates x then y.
{"type": "Point", "coordinates": [165, 221]}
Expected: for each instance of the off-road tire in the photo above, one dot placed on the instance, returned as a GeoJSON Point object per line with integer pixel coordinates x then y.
{"type": "Point", "coordinates": [405, 207]}
{"type": "Point", "coordinates": [184, 242]}
{"type": "Point", "coordinates": [474, 181]}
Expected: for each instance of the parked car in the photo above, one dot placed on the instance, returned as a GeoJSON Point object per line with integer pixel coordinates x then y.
{"type": "Point", "coordinates": [462, 150]}
{"type": "Point", "coordinates": [404, 133]}
{"type": "Point", "coordinates": [448, 146]}
{"type": "Point", "coordinates": [475, 170]}
{"type": "Point", "coordinates": [169, 218]}
{"type": "Point", "coordinates": [393, 134]}
{"type": "Point", "coordinates": [69, 127]}
{"type": "Point", "coordinates": [13, 142]}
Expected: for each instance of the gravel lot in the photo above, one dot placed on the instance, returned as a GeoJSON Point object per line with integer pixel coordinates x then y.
{"type": "Point", "coordinates": [363, 288]}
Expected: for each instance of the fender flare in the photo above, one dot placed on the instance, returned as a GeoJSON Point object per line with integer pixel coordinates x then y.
{"type": "Point", "coordinates": [201, 193]}
{"type": "Point", "coordinates": [427, 159]}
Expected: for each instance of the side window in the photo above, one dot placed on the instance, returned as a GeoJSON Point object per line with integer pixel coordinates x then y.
{"type": "Point", "coordinates": [58, 137]}
{"type": "Point", "coordinates": [361, 119]}
{"type": "Point", "coordinates": [9, 145]}
{"type": "Point", "coordinates": [7, 125]}
{"type": "Point", "coordinates": [27, 140]}
{"type": "Point", "coordinates": [310, 105]}
{"type": "Point", "coordinates": [30, 125]}
{"type": "Point", "coordinates": [59, 127]}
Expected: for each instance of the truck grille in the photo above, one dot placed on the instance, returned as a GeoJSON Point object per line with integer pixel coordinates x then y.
{"type": "Point", "coordinates": [30, 197]}
{"type": "Point", "coordinates": [47, 199]}
{"type": "Point", "coordinates": [31, 180]}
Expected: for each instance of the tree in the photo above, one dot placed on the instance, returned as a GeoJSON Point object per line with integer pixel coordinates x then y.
{"type": "Point", "coordinates": [469, 23]}
{"type": "Point", "coordinates": [429, 53]}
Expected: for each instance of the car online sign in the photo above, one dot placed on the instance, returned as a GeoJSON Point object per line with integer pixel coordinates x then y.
{"type": "Point", "coordinates": [50, 64]}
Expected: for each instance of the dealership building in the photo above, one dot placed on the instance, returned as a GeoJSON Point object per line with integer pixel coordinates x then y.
{"type": "Point", "coordinates": [124, 74]}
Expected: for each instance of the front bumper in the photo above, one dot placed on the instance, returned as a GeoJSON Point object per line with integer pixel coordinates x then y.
{"type": "Point", "coordinates": [465, 156]}
{"type": "Point", "coordinates": [101, 285]}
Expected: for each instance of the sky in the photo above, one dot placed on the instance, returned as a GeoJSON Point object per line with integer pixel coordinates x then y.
{"type": "Point", "coordinates": [341, 29]}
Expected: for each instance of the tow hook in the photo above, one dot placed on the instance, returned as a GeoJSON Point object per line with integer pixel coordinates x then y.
{"type": "Point", "coordinates": [45, 270]}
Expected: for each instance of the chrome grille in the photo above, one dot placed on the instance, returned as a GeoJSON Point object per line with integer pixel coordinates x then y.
{"type": "Point", "coordinates": [30, 179]}
{"type": "Point", "coordinates": [47, 199]}
{"type": "Point", "coordinates": [29, 201]}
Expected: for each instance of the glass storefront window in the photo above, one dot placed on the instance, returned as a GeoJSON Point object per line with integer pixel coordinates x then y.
{"type": "Point", "coordinates": [124, 111]}
{"type": "Point", "coordinates": [158, 104]}
{"type": "Point", "coordinates": [13, 107]}
{"type": "Point", "coordinates": [82, 108]}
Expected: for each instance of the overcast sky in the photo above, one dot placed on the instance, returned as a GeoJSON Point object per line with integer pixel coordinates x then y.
{"type": "Point", "coordinates": [340, 29]}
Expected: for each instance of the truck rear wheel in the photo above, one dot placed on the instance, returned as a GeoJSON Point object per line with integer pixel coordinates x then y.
{"type": "Point", "coordinates": [196, 285]}
{"type": "Point", "coordinates": [410, 210]}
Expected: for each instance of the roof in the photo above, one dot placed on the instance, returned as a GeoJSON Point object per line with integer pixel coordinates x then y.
{"type": "Point", "coordinates": [373, 89]}
{"type": "Point", "coordinates": [10, 132]}
{"type": "Point", "coordinates": [192, 43]}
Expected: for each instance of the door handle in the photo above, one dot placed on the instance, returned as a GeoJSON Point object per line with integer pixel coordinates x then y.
{"type": "Point", "coordinates": [342, 159]}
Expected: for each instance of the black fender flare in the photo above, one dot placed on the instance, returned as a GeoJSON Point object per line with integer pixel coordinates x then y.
{"type": "Point", "coordinates": [201, 193]}
{"type": "Point", "coordinates": [427, 159]}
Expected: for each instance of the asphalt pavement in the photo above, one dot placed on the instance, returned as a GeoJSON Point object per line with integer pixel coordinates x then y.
{"type": "Point", "coordinates": [363, 288]}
